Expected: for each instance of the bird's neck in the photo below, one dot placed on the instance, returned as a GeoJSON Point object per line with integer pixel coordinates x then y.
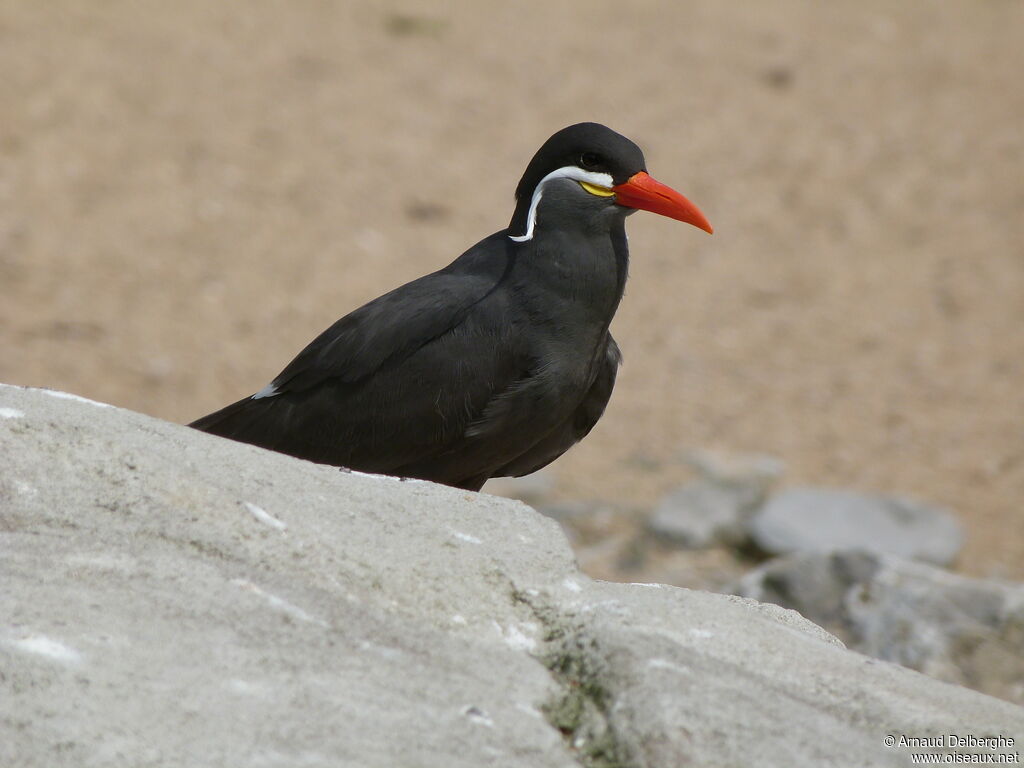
{"type": "Point", "coordinates": [578, 275]}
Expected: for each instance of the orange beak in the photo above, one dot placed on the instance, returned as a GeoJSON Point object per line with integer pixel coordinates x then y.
{"type": "Point", "coordinates": [643, 192]}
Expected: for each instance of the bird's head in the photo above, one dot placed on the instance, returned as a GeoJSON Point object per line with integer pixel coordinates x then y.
{"type": "Point", "coordinates": [588, 167]}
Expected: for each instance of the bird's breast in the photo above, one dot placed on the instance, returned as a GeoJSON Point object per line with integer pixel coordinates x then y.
{"type": "Point", "coordinates": [573, 281]}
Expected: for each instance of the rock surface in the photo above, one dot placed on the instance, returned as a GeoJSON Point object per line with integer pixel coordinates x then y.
{"type": "Point", "coordinates": [704, 514]}
{"type": "Point", "coordinates": [170, 598]}
{"type": "Point", "coordinates": [822, 520]}
{"type": "Point", "coordinates": [715, 509]}
{"type": "Point", "coordinates": [962, 630]}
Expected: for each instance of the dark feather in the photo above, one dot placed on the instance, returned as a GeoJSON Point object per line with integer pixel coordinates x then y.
{"type": "Point", "coordinates": [495, 365]}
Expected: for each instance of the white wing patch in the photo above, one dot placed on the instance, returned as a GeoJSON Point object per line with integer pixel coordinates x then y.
{"type": "Point", "coordinates": [268, 391]}
{"type": "Point", "coordinates": [566, 172]}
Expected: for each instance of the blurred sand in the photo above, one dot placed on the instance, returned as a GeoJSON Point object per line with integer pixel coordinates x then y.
{"type": "Point", "coordinates": [189, 192]}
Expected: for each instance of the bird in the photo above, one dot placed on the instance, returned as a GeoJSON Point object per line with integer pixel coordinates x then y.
{"type": "Point", "coordinates": [493, 366]}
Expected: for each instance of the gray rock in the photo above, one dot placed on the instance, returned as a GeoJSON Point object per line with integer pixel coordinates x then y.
{"type": "Point", "coordinates": [822, 520]}
{"type": "Point", "coordinates": [585, 514]}
{"type": "Point", "coordinates": [171, 598]}
{"type": "Point", "coordinates": [958, 629]}
{"type": "Point", "coordinates": [715, 509]}
{"type": "Point", "coordinates": [704, 514]}
{"type": "Point", "coordinates": [747, 469]}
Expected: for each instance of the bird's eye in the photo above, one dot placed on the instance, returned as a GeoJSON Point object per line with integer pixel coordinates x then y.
{"type": "Point", "coordinates": [590, 160]}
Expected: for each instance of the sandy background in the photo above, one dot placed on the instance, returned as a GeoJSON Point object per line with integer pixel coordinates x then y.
{"type": "Point", "coordinates": [190, 191]}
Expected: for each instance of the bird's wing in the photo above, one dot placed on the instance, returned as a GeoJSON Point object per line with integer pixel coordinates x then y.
{"type": "Point", "coordinates": [390, 328]}
{"type": "Point", "coordinates": [579, 423]}
{"type": "Point", "coordinates": [394, 382]}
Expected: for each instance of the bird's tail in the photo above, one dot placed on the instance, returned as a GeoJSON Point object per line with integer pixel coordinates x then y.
{"type": "Point", "coordinates": [234, 421]}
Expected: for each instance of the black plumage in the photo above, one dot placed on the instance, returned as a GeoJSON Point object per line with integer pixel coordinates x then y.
{"type": "Point", "coordinates": [494, 365]}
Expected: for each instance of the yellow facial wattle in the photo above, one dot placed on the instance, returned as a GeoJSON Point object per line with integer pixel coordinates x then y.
{"type": "Point", "coordinates": [596, 190]}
